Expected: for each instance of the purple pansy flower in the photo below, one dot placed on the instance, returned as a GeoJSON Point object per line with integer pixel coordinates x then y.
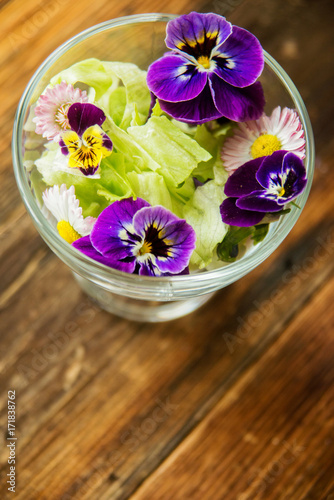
{"type": "Point", "coordinates": [211, 71]}
{"type": "Point", "coordinates": [86, 143]}
{"type": "Point", "coordinates": [134, 237]}
{"type": "Point", "coordinates": [262, 186]}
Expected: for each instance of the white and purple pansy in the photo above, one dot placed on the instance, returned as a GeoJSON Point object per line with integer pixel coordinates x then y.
{"type": "Point", "coordinates": [211, 71]}
{"type": "Point", "coordinates": [260, 186]}
{"type": "Point", "coordinates": [86, 143]}
{"type": "Point", "coordinates": [134, 237]}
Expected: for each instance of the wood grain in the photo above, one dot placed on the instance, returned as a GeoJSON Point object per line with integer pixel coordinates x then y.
{"type": "Point", "coordinates": [234, 401]}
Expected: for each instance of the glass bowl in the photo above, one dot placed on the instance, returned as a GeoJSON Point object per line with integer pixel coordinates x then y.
{"type": "Point", "coordinates": [140, 39]}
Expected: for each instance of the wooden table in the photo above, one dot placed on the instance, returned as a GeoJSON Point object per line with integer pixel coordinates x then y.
{"type": "Point", "coordinates": [232, 402]}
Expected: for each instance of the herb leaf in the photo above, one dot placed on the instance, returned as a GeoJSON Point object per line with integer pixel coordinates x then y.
{"type": "Point", "coordinates": [228, 250]}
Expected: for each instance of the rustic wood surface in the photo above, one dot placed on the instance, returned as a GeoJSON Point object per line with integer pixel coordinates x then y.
{"type": "Point", "coordinates": [232, 402]}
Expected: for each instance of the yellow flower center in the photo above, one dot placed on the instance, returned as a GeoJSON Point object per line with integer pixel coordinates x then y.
{"type": "Point", "coordinates": [204, 61]}
{"type": "Point", "coordinates": [67, 232]}
{"type": "Point", "coordinates": [61, 116]}
{"type": "Point", "coordinates": [145, 248]}
{"type": "Point", "coordinates": [265, 145]}
{"type": "Point", "coordinates": [282, 192]}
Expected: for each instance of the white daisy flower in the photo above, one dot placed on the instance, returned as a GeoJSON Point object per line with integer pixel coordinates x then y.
{"type": "Point", "coordinates": [280, 131]}
{"type": "Point", "coordinates": [62, 206]}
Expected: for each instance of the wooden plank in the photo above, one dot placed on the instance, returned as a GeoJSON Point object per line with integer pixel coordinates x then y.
{"type": "Point", "coordinates": [195, 372]}
{"type": "Point", "coordinates": [266, 438]}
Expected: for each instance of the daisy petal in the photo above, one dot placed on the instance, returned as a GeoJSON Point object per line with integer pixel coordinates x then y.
{"type": "Point", "coordinates": [51, 111]}
{"type": "Point", "coordinates": [235, 103]}
{"type": "Point", "coordinates": [282, 130]}
{"type": "Point", "coordinates": [239, 59]}
{"type": "Point", "coordinates": [65, 208]}
{"type": "Point", "coordinates": [173, 78]}
{"type": "Point", "coordinates": [84, 226]}
{"type": "Point", "coordinates": [234, 216]}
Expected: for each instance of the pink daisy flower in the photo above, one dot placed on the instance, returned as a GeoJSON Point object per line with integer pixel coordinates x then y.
{"type": "Point", "coordinates": [51, 110]}
{"type": "Point", "coordinates": [254, 139]}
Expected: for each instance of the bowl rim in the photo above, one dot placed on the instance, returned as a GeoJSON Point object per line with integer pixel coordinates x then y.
{"type": "Point", "coordinates": [88, 267]}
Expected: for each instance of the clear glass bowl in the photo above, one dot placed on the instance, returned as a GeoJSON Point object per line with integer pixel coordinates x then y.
{"type": "Point", "coordinates": [140, 39]}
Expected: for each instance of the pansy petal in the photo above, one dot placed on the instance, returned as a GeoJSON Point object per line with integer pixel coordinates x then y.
{"type": "Point", "coordinates": [292, 162]}
{"type": "Point", "coordinates": [70, 142]}
{"type": "Point", "coordinates": [88, 171]}
{"type": "Point", "coordinates": [270, 170]}
{"type": "Point", "coordinates": [170, 239]}
{"type": "Point", "coordinates": [258, 202]}
{"type": "Point", "coordinates": [239, 59]}
{"type": "Point", "coordinates": [237, 104]}
{"type": "Point", "coordinates": [234, 216]}
{"type": "Point", "coordinates": [85, 159]}
{"type": "Point", "coordinates": [85, 246]}
{"type": "Point", "coordinates": [152, 104]}
{"type": "Point", "coordinates": [63, 147]}
{"type": "Point", "coordinates": [199, 110]}
{"type": "Point", "coordinates": [173, 78]}
{"type": "Point", "coordinates": [93, 136]}
{"type": "Point", "coordinates": [84, 115]}
{"type": "Point", "coordinates": [113, 231]}
{"type": "Point", "coordinates": [181, 240]}
{"type": "Point", "coordinates": [243, 181]}
{"type": "Point", "coordinates": [148, 216]}
{"type": "Point", "coordinates": [107, 144]}
{"type": "Point", "coordinates": [191, 31]}
{"type": "Point", "coordinates": [149, 269]}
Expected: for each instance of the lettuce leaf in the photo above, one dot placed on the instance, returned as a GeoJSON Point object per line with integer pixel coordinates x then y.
{"type": "Point", "coordinates": [118, 87]}
{"type": "Point", "coordinates": [95, 192]}
{"type": "Point", "coordinates": [138, 98]}
{"type": "Point", "coordinates": [175, 152]}
{"type": "Point", "coordinates": [92, 72]}
{"type": "Point", "coordinates": [212, 141]}
{"type": "Point", "coordinates": [152, 187]}
{"type": "Point", "coordinates": [203, 214]}
{"type": "Point", "coordinates": [124, 143]}
{"type": "Point", "coordinates": [113, 102]}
